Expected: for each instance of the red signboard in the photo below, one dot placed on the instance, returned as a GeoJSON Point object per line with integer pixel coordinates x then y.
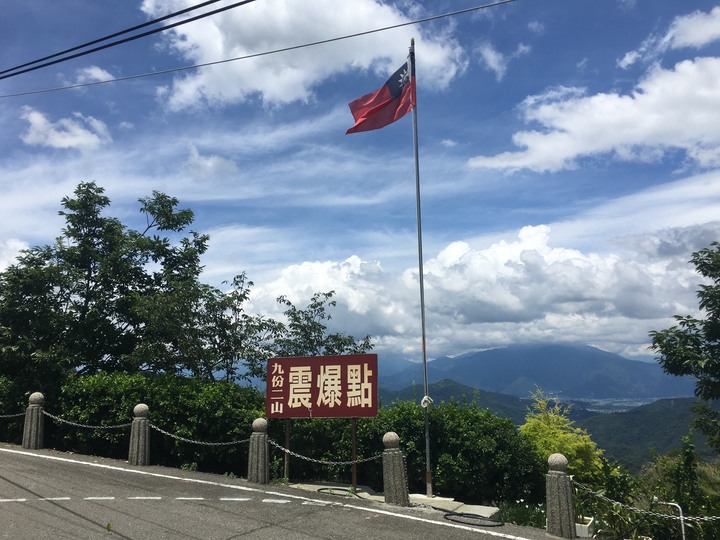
{"type": "Point", "coordinates": [322, 387]}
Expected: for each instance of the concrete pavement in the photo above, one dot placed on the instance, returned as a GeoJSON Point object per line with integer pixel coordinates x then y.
{"type": "Point", "coordinates": [49, 494]}
{"type": "Point", "coordinates": [442, 504]}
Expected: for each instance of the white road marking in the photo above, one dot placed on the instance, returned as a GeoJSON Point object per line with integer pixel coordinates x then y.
{"type": "Point", "coordinates": [240, 499]}
{"type": "Point", "coordinates": [54, 499]}
{"type": "Point", "coordinates": [433, 522]}
{"type": "Point", "coordinates": [276, 501]}
{"type": "Point", "coordinates": [144, 498]}
{"type": "Point", "coordinates": [98, 498]}
{"type": "Point", "coordinates": [189, 498]}
{"type": "Point", "coordinates": [255, 490]}
{"type": "Point", "coordinates": [12, 500]}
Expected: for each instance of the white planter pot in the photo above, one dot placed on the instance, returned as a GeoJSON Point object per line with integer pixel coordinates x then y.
{"type": "Point", "coordinates": [585, 528]}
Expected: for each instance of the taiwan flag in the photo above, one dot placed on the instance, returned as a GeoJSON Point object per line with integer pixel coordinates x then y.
{"type": "Point", "coordinates": [391, 102]}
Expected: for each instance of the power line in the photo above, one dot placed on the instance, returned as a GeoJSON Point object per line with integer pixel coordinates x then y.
{"type": "Point", "coordinates": [126, 40]}
{"type": "Point", "coordinates": [110, 36]}
{"type": "Point", "coordinates": [256, 55]}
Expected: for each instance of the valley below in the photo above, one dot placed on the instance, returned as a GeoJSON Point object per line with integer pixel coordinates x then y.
{"type": "Point", "coordinates": [631, 409]}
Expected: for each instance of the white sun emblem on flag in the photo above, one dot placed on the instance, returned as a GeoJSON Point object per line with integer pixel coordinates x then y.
{"type": "Point", "coordinates": [404, 78]}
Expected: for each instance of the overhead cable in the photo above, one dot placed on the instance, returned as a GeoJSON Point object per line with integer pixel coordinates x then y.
{"type": "Point", "coordinates": [126, 40]}
{"type": "Point", "coordinates": [110, 36]}
{"type": "Point", "coordinates": [256, 55]}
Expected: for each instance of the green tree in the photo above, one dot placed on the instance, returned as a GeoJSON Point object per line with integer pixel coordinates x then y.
{"type": "Point", "coordinates": [692, 347]}
{"type": "Point", "coordinates": [683, 478]}
{"type": "Point", "coordinates": [218, 412]}
{"type": "Point", "coordinates": [106, 298]}
{"type": "Point", "coordinates": [479, 457]}
{"type": "Point", "coordinates": [306, 334]}
{"type": "Point", "coordinates": [550, 430]}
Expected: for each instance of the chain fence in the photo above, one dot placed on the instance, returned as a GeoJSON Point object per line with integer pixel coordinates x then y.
{"type": "Point", "coordinates": [191, 441]}
{"type": "Point", "coordinates": [322, 461]}
{"type": "Point", "coordinates": [702, 519]}
{"type": "Point", "coordinates": [85, 426]}
{"type": "Point", "coordinates": [202, 443]}
{"type": "Point", "coordinates": [153, 426]}
{"type": "Point", "coordinates": [126, 425]}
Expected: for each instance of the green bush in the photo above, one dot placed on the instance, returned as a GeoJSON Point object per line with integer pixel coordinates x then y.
{"type": "Point", "coordinates": [482, 457]}
{"type": "Point", "coordinates": [523, 513]}
{"type": "Point", "coordinates": [550, 430]}
{"type": "Point", "coordinates": [10, 428]}
{"type": "Point", "coordinates": [208, 412]}
{"type": "Point", "coordinates": [476, 456]}
{"type": "Point", "coordinates": [683, 478]}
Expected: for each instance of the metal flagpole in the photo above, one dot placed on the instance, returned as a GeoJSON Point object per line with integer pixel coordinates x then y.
{"type": "Point", "coordinates": [426, 401]}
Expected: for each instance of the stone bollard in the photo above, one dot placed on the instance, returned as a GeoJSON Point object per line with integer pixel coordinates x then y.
{"type": "Point", "coordinates": [139, 453]}
{"type": "Point", "coordinates": [258, 455]}
{"type": "Point", "coordinates": [558, 492]}
{"type": "Point", "coordinates": [34, 430]}
{"type": "Point", "coordinates": [394, 471]}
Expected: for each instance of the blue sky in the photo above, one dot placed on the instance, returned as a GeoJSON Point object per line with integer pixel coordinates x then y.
{"type": "Point", "coordinates": [569, 157]}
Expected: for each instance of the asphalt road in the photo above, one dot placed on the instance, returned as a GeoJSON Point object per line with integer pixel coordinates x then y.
{"type": "Point", "coordinates": [53, 495]}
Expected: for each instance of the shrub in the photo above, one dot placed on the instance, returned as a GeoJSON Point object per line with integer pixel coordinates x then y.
{"type": "Point", "coordinates": [476, 456]}
{"type": "Point", "coordinates": [550, 430]}
{"type": "Point", "coordinates": [681, 477]}
{"type": "Point", "coordinates": [209, 412]}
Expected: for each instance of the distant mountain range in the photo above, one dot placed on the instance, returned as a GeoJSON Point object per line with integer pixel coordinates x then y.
{"type": "Point", "coordinates": [630, 437]}
{"type": "Point", "coordinates": [633, 437]}
{"type": "Point", "coordinates": [445, 391]}
{"type": "Point", "coordinates": [566, 371]}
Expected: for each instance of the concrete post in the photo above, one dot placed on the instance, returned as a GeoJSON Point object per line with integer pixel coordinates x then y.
{"type": "Point", "coordinates": [394, 471]}
{"type": "Point", "coordinates": [34, 430]}
{"type": "Point", "coordinates": [558, 491]}
{"type": "Point", "coordinates": [139, 453]}
{"type": "Point", "coordinates": [258, 455]}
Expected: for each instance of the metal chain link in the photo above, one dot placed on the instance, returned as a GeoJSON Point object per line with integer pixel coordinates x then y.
{"type": "Point", "coordinates": [179, 438]}
{"type": "Point", "coordinates": [645, 512]}
{"type": "Point", "coordinates": [12, 415]}
{"type": "Point", "coordinates": [57, 418]}
{"type": "Point", "coordinates": [321, 461]}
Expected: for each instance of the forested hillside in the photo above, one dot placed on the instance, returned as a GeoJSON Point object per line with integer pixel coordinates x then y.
{"type": "Point", "coordinates": [634, 437]}
{"type": "Point", "coordinates": [567, 371]}
{"type": "Point", "coordinates": [630, 437]}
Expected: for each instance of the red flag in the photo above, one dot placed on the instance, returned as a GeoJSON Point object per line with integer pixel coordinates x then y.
{"type": "Point", "coordinates": [391, 102]}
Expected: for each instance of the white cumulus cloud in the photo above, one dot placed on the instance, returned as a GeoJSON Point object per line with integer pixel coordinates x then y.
{"type": "Point", "coordinates": [292, 76]}
{"type": "Point", "coordinates": [510, 291]}
{"type": "Point", "coordinates": [79, 132]}
{"type": "Point", "coordinates": [694, 30]}
{"type": "Point", "coordinates": [9, 250]}
{"type": "Point", "coordinates": [676, 108]}
{"type": "Point", "coordinates": [496, 61]}
{"type": "Point", "coordinates": [92, 74]}
{"type": "Point", "coordinates": [209, 168]}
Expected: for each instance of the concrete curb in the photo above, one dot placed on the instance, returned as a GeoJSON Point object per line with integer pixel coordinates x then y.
{"type": "Point", "coordinates": [442, 504]}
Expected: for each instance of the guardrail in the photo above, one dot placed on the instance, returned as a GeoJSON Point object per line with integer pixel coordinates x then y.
{"type": "Point", "coordinates": [393, 459]}
{"type": "Point", "coordinates": [559, 485]}
{"type": "Point", "coordinates": [561, 512]}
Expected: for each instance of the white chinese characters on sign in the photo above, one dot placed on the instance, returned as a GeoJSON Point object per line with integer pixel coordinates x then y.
{"type": "Point", "coordinates": [329, 383]}
{"type": "Point", "coordinates": [300, 379]}
{"type": "Point", "coordinates": [359, 392]}
{"type": "Point", "coordinates": [275, 395]}
{"type": "Point", "coordinates": [322, 386]}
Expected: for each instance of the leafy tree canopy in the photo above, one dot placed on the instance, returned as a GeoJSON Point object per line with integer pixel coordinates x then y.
{"type": "Point", "coordinates": [550, 430]}
{"type": "Point", "coordinates": [305, 333]}
{"type": "Point", "coordinates": [692, 347]}
{"type": "Point", "coordinates": [107, 298]}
